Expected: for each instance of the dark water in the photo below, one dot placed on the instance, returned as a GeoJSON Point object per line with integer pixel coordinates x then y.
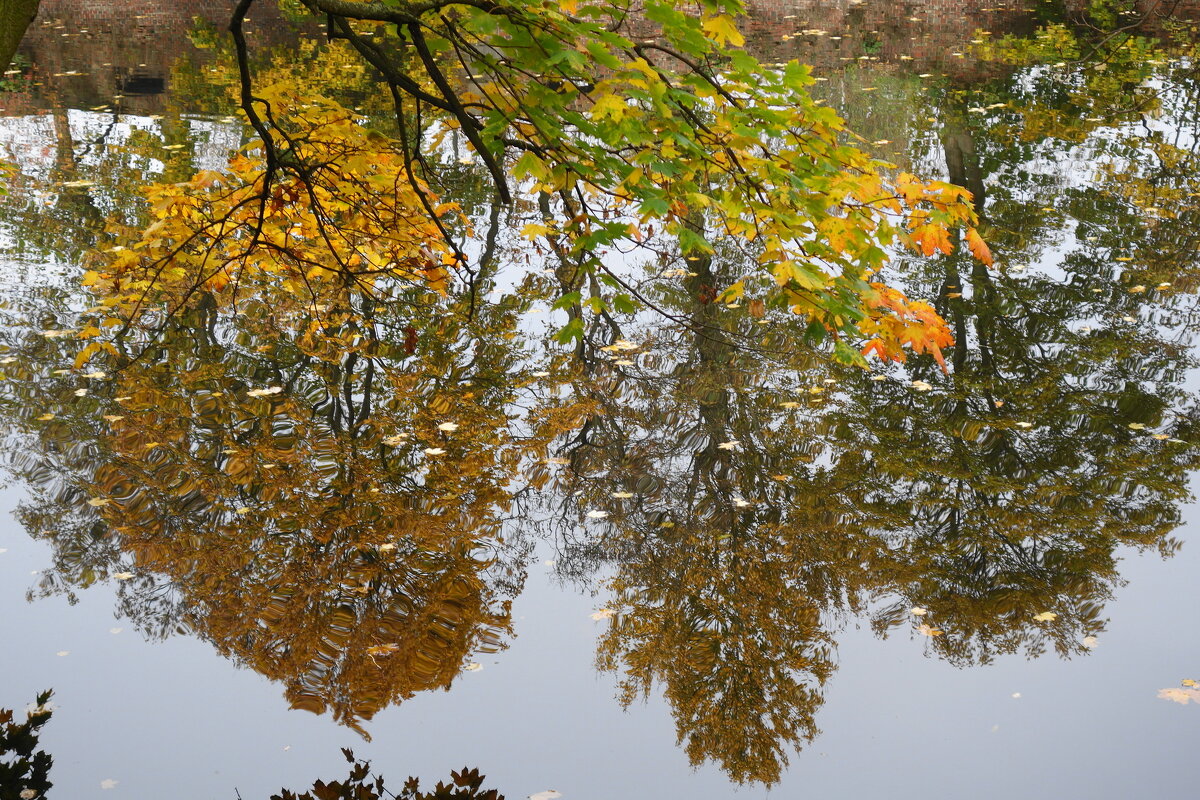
{"type": "Point", "coordinates": [691, 557]}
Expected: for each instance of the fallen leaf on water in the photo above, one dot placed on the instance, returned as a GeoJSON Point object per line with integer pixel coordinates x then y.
{"type": "Point", "coordinates": [114, 417]}
{"type": "Point", "coordinates": [63, 653]}
{"type": "Point", "coordinates": [80, 392]}
{"type": "Point", "coordinates": [549, 794]}
{"type": "Point", "coordinates": [473, 667]}
{"type": "Point", "coordinates": [1181, 696]}
{"type": "Point", "coordinates": [622, 495]}
{"type": "Point", "coordinates": [597, 514]}
{"type": "Point", "coordinates": [434, 451]}
{"type": "Point", "coordinates": [387, 546]}
{"type": "Point", "coordinates": [918, 611]}
{"type": "Point", "coordinates": [558, 461]}
{"type": "Point", "coordinates": [730, 445]}
{"type": "Point", "coordinates": [382, 649]}
{"type": "Point", "coordinates": [604, 613]}
{"type": "Point", "coordinates": [1046, 616]}
{"type": "Point", "coordinates": [108, 783]}
{"type": "Point", "coordinates": [1025, 425]}
{"type": "Point", "coordinates": [448, 427]}
{"type": "Point", "coordinates": [1090, 642]}
{"type": "Point", "coordinates": [122, 576]}
{"type": "Point", "coordinates": [926, 630]}
{"type": "Point", "coordinates": [789, 405]}
{"type": "Point", "coordinates": [45, 417]}
{"type": "Point", "coordinates": [740, 503]}
{"type": "Point", "coordinates": [98, 501]}
{"type": "Point", "coordinates": [1136, 426]}
{"type": "Point", "coordinates": [115, 630]}
{"type": "Point", "coordinates": [1189, 682]}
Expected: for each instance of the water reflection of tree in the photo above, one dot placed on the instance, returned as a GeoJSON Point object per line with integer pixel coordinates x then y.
{"type": "Point", "coordinates": [296, 505]}
{"type": "Point", "coordinates": [1006, 491]}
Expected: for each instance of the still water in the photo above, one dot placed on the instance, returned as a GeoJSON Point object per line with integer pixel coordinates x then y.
{"type": "Point", "coordinates": [690, 558]}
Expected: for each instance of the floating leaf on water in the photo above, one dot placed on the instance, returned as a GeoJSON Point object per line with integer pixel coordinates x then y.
{"type": "Point", "coordinates": [115, 630]}
{"type": "Point", "coordinates": [108, 783]}
{"type": "Point", "coordinates": [1090, 642]}
{"type": "Point", "coordinates": [448, 427]}
{"type": "Point", "coordinates": [1136, 426]}
{"type": "Point", "coordinates": [473, 667]}
{"type": "Point", "coordinates": [559, 461]}
{"type": "Point", "coordinates": [926, 630]}
{"type": "Point", "coordinates": [434, 451]}
{"type": "Point", "coordinates": [123, 576]}
{"type": "Point", "coordinates": [1025, 425]}
{"type": "Point", "coordinates": [549, 794]}
{"type": "Point", "coordinates": [918, 611]}
{"type": "Point", "coordinates": [98, 501]}
{"type": "Point", "coordinates": [597, 514]}
{"type": "Point", "coordinates": [80, 392]}
{"type": "Point", "coordinates": [604, 613]}
{"type": "Point", "coordinates": [740, 503]}
{"type": "Point", "coordinates": [1046, 616]}
{"type": "Point", "coordinates": [730, 445]}
{"type": "Point", "coordinates": [382, 649]}
{"type": "Point", "coordinates": [45, 417]}
{"type": "Point", "coordinates": [63, 653]}
{"type": "Point", "coordinates": [1181, 696]}
{"type": "Point", "coordinates": [622, 495]}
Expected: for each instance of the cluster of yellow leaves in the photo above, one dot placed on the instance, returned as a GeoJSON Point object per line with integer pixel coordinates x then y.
{"type": "Point", "coordinates": [338, 212]}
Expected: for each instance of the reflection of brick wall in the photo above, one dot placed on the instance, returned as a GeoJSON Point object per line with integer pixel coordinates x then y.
{"type": "Point", "coordinates": [112, 43]}
{"type": "Point", "coordinates": [123, 46]}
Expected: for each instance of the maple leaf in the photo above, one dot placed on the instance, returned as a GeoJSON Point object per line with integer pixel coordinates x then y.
{"type": "Point", "coordinates": [979, 248]}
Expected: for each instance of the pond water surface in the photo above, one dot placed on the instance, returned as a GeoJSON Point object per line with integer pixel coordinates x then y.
{"type": "Point", "coordinates": [694, 559]}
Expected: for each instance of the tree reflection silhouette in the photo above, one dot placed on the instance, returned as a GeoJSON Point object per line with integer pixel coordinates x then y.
{"type": "Point", "coordinates": [307, 515]}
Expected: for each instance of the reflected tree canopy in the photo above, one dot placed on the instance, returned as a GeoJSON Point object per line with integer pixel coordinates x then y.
{"type": "Point", "coordinates": [341, 486]}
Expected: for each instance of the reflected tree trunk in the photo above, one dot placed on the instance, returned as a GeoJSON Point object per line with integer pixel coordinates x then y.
{"type": "Point", "coordinates": [15, 16]}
